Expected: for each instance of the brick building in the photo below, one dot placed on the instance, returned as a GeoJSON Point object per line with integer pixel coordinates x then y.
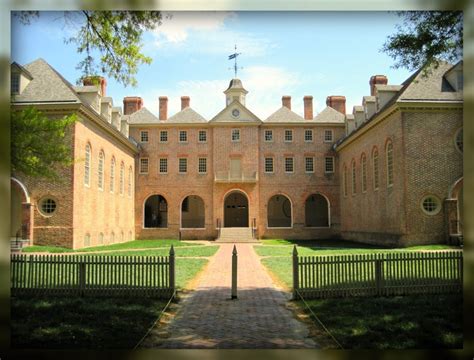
{"type": "Point", "coordinates": [141, 176]}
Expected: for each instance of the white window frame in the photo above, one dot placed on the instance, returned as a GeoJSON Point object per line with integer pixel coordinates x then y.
{"type": "Point", "coordinates": [87, 165]}
{"type": "Point", "coordinates": [163, 163]}
{"type": "Point", "coordinates": [306, 132]}
{"type": "Point", "coordinates": [205, 136]}
{"type": "Point", "coordinates": [100, 170]}
{"type": "Point", "coordinates": [326, 132]}
{"type": "Point", "coordinates": [333, 162]}
{"type": "Point", "coordinates": [265, 165]}
{"type": "Point", "coordinates": [306, 164]}
{"type": "Point", "coordinates": [288, 132]}
{"type": "Point", "coordinates": [389, 163]}
{"type": "Point", "coordinates": [363, 176]}
{"type": "Point", "coordinates": [265, 135]}
{"type": "Point", "coordinates": [376, 169]}
{"type": "Point", "coordinates": [165, 134]}
{"type": "Point", "coordinates": [15, 83]}
{"type": "Point", "coordinates": [201, 163]}
{"type": "Point", "coordinates": [185, 164]}
{"type": "Point", "coordinates": [185, 133]}
{"type": "Point", "coordinates": [235, 132]}
{"type": "Point", "coordinates": [140, 165]}
{"type": "Point", "coordinates": [143, 134]}
{"type": "Point", "coordinates": [122, 178]}
{"type": "Point", "coordinates": [438, 205]}
{"type": "Point", "coordinates": [112, 174]}
{"type": "Point", "coordinates": [130, 175]}
{"type": "Point", "coordinates": [292, 162]}
{"type": "Point", "coordinates": [353, 179]}
{"type": "Point", "coordinates": [344, 181]}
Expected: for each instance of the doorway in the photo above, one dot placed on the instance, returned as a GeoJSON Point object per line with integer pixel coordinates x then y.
{"type": "Point", "coordinates": [236, 210]}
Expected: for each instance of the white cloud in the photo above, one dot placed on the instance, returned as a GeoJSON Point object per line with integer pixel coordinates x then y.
{"type": "Point", "coordinates": [266, 85]}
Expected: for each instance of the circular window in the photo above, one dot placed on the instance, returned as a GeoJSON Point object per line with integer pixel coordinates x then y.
{"type": "Point", "coordinates": [458, 140]}
{"type": "Point", "coordinates": [430, 205]}
{"type": "Point", "coordinates": [235, 112]}
{"type": "Point", "coordinates": [47, 206]}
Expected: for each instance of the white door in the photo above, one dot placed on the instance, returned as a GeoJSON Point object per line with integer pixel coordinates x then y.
{"type": "Point", "coordinates": [235, 171]}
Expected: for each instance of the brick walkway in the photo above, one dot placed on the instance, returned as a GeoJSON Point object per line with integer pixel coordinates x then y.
{"type": "Point", "coordinates": [257, 319]}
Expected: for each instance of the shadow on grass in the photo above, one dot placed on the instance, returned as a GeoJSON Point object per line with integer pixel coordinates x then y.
{"type": "Point", "coordinates": [333, 244]}
{"type": "Point", "coordinates": [81, 323]}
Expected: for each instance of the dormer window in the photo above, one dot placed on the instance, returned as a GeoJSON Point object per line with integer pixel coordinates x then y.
{"type": "Point", "coordinates": [15, 83]}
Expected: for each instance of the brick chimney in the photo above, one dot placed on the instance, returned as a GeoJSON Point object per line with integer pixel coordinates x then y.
{"type": "Point", "coordinates": [132, 104]}
{"type": "Point", "coordinates": [163, 112]}
{"type": "Point", "coordinates": [97, 81]}
{"type": "Point", "coordinates": [375, 80]}
{"type": "Point", "coordinates": [308, 107]}
{"type": "Point", "coordinates": [337, 102]}
{"type": "Point", "coordinates": [184, 102]}
{"type": "Point", "coordinates": [286, 101]}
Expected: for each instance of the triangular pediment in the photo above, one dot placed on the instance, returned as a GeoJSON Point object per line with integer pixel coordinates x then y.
{"type": "Point", "coordinates": [229, 115]}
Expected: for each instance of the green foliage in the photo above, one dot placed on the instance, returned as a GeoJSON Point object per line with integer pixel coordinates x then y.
{"type": "Point", "coordinates": [38, 147]}
{"type": "Point", "coordinates": [115, 35]}
{"type": "Point", "coordinates": [425, 37]}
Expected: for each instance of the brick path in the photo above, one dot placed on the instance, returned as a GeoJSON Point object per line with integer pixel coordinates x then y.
{"type": "Point", "coordinates": [257, 319]}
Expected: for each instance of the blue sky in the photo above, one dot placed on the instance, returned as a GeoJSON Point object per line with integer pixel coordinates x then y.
{"type": "Point", "coordinates": [283, 53]}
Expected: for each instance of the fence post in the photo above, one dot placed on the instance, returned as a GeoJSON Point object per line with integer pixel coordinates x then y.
{"type": "Point", "coordinates": [295, 272]}
{"type": "Point", "coordinates": [234, 274]}
{"type": "Point", "coordinates": [378, 276]}
{"type": "Point", "coordinates": [172, 270]}
{"type": "Point", "coordinates": [82, 277]}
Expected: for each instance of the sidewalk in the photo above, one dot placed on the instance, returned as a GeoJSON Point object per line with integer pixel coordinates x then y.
{"type": "Point", "coordinates": [257, 319]}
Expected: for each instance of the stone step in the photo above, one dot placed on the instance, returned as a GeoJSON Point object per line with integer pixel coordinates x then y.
{"type": "Point", "coordinates": [236, 235]}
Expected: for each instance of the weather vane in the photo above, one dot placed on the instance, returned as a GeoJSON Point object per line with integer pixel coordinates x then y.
{"type": "Point", "coordinates": [234, 56]}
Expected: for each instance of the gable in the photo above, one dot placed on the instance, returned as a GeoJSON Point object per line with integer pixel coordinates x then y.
{"type": "Point", "coordinates": [245, 116]}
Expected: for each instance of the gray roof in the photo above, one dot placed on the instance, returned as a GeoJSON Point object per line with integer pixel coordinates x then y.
{"type": "Point", "coordinates": [23, 70]}
{"type": "Point", "coordinates": [142, 116]}
{"type": "Point", "coordinates": [380, 87]}
{"type": "Point", "coordinates": [47, 85]}
{"type": "Point", "coordinates": [186, 116]}
{"type": "Point", "coordinates": [329, 115]}
{"type": "Point", "coordinates": [431, 88]}
{"type": "Point", "coordinates": [284, 115]}
{"type": "Point", "coordinates": [236, 84]}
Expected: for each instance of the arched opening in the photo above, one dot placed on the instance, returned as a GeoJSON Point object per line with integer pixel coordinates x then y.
{"type": "Point", "coordinates": [192, 213]}
{"type": "Point", "coordinates": [20, 209]}
{"type": "Point", "coordinates": [156, 212]}
{"type": "Point", "coordinates": [456, 213]}
{"type": "Point", "coordinates": [279, 212]}
{"type": "Point", "coordinates": [236, 210]}
{"type": "Point", "coordinates": [316, 211]}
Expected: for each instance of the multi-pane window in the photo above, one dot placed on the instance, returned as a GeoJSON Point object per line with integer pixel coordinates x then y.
{"type": "Point", "coordinates": [143, 166]}
{"type": "Point", "coordinates": [183, 136]}
{"type": "Point", "coordinates": [235, 135]}
{"type": "Point", "coordinates": [164, 136]}
{"type": "Point", "coordinates": [122, 178]}
{"type": "Point", "coordinates": [100, 171]}
{"type": "Point", "coordinates": [309, 164]}
{"type": "Point", "coordinates": [308, 135]}
{"type": "Point", "coordinates": [202, 136]}
{"type": "Point", "coordinates": [289, 164]}
{"type": "Point", "coordinates": [130, 174]}
{"type": "Point", "coordinates": [389, 164]}
{"type": "Point", "coordinates": [112, 175]}
{"type": "Point", "coordinates": [375, 164]}
{"type": "Point", "coordinates": [202, 165]}
{"type": "Point", "coordinates": [329, 164]}
{"type": "Point", "coordinates": [163, 166]}
{"type": "Point", "coordinates": [183, 165]}
{"type": "Point", "coordinates": [144, 136]}
{"type": "Point", "coordinates": [87, 166]}
{"type": "Point", "coordinates": [363, 179]}
{"type": "Point", "coordinates": [431, 205]}
{"type": "Point", "coordinates": [328, 136]}
{"type": "Point", "coordinates": [353, 178]}
{"type": "Point", "coordinates": [288, 135]}
{"type": "Point", "coordinates": [47, 206]}
{"type": "Point", "coordinates": [15, 83]}
{"type": "Point", "coordinates": [268, 135]}
{"type": "Point", "coordinates": [268, 164]}
{"type": "Point", "coordinates": [344, 180]}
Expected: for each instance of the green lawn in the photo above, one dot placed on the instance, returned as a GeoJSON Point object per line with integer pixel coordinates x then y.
{"type": "Point", "coordinates": [81, 323]}
{"type": "Point", "coordinates": [195, 251]}
{"type": "Point", "coordinates": [399, 322]}
{"type": "Point", "coordinates": [135, 244]}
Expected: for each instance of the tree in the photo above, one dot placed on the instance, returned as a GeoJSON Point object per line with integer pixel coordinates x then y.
{"type": "Point", "coordinates": [115, 35]}
{"type": "Point", "coordinates": [426, 37]}
{"type": "Point", "coordinates": [38, 144]}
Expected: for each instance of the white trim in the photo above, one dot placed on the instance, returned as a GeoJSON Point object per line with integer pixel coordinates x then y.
{"type": "Point", "coordinates": [312, 136]}
{"type": "Point", "coordinates": [159, 136]}
{"type": "Point", "coordinates": [199, 141]}
{"type": "Point", "coordinates": [147, 136]}
{"type": "Point", "coordinates": [179, 137]}
{"type": "Point", "coordinates": [306, 170]}
{"type": "Point", "coordinates": [291, 203]}
{"type": "Point", "coordinates": [23, 187]}
{"type": "Point", "coordinates": [232, 135]}
{"type": "Point", "coordinates": [265, 165]}
{"type": "Point", "coordinates": [140, 167]}
{"type": "Point", "coordinates": [453, 186]}
{"type": "Point", "coordinates": [289, 157]}
{"type": "Point", "coordinates": [333, 165]}
{"type": "Point", "coordinates": [284, 135]}
{"type": "Point", "coordinates": [332, 136]}
{"type": "Point", "coordinates": [438, 201]}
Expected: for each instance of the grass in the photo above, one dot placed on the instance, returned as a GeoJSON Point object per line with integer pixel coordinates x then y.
{"type": "Point", "coordinates": [81, 323]}
{"type": "Point", "coordinates": [135, 244]}
{"type": "Point", "coordinates": [195, 251]}
{"type": "Point", "coordinates": [399, 322]}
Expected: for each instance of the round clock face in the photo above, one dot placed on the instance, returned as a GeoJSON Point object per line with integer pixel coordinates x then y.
{"type": "Point", "coordinates": [235, 112]}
